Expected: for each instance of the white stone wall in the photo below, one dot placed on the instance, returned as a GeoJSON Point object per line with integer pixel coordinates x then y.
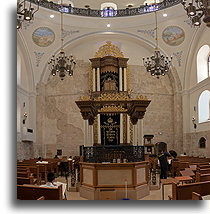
{"type": "Point", "coordinates": [60, 124]}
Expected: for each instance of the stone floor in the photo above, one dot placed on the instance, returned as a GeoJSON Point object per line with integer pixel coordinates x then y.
{"type": "Point", "coordinates": [154, 194]}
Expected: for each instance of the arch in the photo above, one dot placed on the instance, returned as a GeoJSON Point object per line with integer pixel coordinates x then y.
{"type": "Point", "coordinates": [202, 143]}
{"type": "Point", "coordinates": [203, 106]}
{"type": "Point", "coordinates": [108, 4]}
{"type": "Point", "coordinates": [202, 63]}
{"type": "Point", "coordinates": [108, 9]}
{"type": "Point", "coordinates": [145, 42]}
{"type": "Point", "coordinates": [23, 51]}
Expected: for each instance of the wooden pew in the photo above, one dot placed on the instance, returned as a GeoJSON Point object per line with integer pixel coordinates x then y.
{"type": "Point", "coordinates": [196, 196]}
{"type": "Point", "coordinates": [203, 171]}
{"type": "Point", "coordinates": [32, 192]}
{"type": "Point", "coordinates": [202, 177]}
{"type": "Point", "coordinates": [33, 169]}
{"type": "Point", "coordinates": [22, 180]}
{"type": "Point", "coordinates": [41, 198]}
{"type": "Point", "coordinates": [184, 192]}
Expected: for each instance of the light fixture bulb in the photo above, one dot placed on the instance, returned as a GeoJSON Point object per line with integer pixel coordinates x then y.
{"type": "Point", "coordinates": [165, 15]}
{"type": "Point", "coordinates": [108, 25]}
{"type": "Point", "coordinates": [52, 16]}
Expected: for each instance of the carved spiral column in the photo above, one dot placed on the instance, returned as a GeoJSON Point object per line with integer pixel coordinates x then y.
{"type": "Point", "coordinates": [98, 79]}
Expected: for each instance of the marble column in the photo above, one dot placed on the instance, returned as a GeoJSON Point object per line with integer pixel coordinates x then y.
{"type": "Point", "coordinates": [99, 128]}
{"type": "Point", "coordinates": [128, 129]}
{"type": "Point", "coordinates": [86, 134]}
{"type": "Point", "coordinates": [120, 79]}
{"type": "Point", "coordinates": [91, 137]}
{"type": "Point", "coordinates": [125, 79]}
{"type": "Point", "coordinates": [98, 79]}
{"type": "Point", "coordinates": [121, 128]}
{"type": "Point", "coordinates": [135, 135]}
{"type": "Point", "coordinates": [140, 132]}
{"type": "Point", "coordinates": [94, 79]}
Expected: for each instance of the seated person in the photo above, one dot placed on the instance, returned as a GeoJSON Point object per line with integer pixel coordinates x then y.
{"type": "Point", "coordinates": [51, 183]}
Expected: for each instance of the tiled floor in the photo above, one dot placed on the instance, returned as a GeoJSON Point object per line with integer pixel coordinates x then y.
{"type": "Point", "coordinates": [154, 194]}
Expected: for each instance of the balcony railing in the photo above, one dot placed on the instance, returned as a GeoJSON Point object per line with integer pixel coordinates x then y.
{"type": "Point", "coordinates": [101, 13]}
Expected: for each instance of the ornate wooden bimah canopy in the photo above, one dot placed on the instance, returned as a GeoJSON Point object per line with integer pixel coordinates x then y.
{"type": "Point", "coordinates": [112, 103]}
{"type": "Point", "coordinates": [111, 114]}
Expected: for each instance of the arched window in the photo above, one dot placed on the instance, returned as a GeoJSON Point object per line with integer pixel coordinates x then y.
{"type": "Point", "coordinates": [108, 9]}
{"type": "Point", "coordinates": [18, 69]}
{"type": "Point", "coordinates": [18, 116]}
{"type": "Point", "coordinates": [203, 64]}
{"type": "Point", "coordinates": [202, 143]}
{"type": "Point", "coordinates": [151, 5]}
{"type": "Point", "coordinates": [203, 106]}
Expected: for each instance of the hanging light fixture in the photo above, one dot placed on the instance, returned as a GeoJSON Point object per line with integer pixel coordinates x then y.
{"type": "Point", "coordinates": [195, 13]}
{"type": "Point", "coordinates": [25, 11]}
{"type": "Point", "coordinates": [158, 65]}
{"type": "Point", "coordinates": [62, 64]}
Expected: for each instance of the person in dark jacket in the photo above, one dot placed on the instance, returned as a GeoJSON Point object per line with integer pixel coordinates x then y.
{"type": "Point", "coordinates": [163, 160]}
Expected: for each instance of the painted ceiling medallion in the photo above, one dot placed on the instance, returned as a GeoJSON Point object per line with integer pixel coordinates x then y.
{"type": "Point", "coordinates": [173, 35]}
{"type": "Point", "coordinates": [43, 36]}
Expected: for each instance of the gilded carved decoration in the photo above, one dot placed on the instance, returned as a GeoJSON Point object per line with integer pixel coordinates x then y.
{"type": "Point", "coordinates": [141, 97]}
{"type": "Point", "coordinates": [113, 96]}
{"type": "Point", "coordinates": [109, 50]}
{"type": "Point", "coordinates": [85, 98]}
{"type": "Point", "coordinates": [112, 108]}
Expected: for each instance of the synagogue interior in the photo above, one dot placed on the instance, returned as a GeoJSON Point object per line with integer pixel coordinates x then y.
{"type": "Point", "coordinates": [113, 100]}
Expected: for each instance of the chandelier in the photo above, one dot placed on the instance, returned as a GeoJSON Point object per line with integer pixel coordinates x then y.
{"type": "Point", "coordinates": [25, 11]}
{"type": "Point", "coordinates": [62, 64]}
{"type": "Point", "coordinates": [195, 13]}
{"type": "Point", "coordinates": [158, 65]}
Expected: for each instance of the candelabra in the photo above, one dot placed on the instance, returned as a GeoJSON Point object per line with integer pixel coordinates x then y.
{"type": "Point", "coordinates": [25, 11]}
{"type": "Point", "coordinates": [158, 65]}
{"type": "Point", "coordinates": [62, 64]}
{"type": "Point", "coordinates": [195, 13]}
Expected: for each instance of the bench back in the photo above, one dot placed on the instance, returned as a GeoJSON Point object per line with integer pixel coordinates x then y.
{"type": "Point", "coordinates": [202, 177]}
{"type": "Point", "coordinates": [184, 192]}
{"type": "Point", "coordinates": [32, 192]}
{"type": "Point", "coordinates": [23, 180]}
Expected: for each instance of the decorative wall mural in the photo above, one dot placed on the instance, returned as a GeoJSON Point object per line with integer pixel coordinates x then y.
{"type": "Point", "coordinates": [43, 36]}
{"type": "Point", "coordinates": [178, 56]}
{"type": "Point", "coordinates": [38, 56]}
{"type": "Point", "coordinates": [26, 25]}
{"type": "Point", "coordinates": [69, 32]}
{"type": "Point", "coordinates": [189, 22]}
{"type": "Point", "coordinates": [173, 35]}
{"type": "Point", "coordinates": [148, 32]}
